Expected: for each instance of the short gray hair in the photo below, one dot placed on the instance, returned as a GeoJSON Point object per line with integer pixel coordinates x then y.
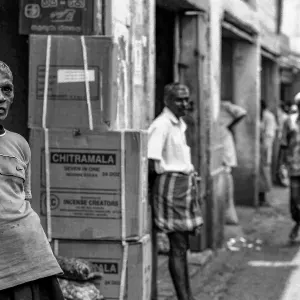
{"type": "Point", "coordinates": [4, 68]}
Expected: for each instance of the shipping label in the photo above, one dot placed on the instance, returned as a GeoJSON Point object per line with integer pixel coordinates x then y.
{"type": "Point", "coordinates": [68, 82]}
{"type": "Point", "coordinates": [82, 205]}
{"type": "Point", "coordinates": [110, 284]}
{"type": "Point", "coordinates": [83, 170]}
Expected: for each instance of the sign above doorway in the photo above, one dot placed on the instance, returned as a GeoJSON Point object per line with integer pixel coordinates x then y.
{"type": "Point", "coordinates": [56, 17]}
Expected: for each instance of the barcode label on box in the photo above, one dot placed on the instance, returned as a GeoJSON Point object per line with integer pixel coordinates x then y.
{"type": "Point", "coordinates": [72, 75]}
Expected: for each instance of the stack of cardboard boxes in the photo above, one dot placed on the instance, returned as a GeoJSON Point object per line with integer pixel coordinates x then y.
{"type": "Point", "coordinates": [98, 178]}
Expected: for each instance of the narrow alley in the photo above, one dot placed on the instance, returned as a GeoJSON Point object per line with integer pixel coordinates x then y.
{"type": "Point", "coordinates": [257, 261]}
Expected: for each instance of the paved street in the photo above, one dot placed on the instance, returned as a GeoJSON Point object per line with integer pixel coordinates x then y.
{"type": "Point", "coordinates": [267, 272]}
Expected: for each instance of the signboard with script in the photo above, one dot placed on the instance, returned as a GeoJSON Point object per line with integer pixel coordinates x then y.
{"type": "Point", "coordinates": [56, 17]}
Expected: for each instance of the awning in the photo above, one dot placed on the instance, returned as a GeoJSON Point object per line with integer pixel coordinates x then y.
{"type": "Point", "coordinates": [232, 32]}
{"type": "Point", "coordinates": [183, 5]}
{"type": "Point", "coordinates": [267, 54]}
{"type": "Point", "coordinates": [233, 28]}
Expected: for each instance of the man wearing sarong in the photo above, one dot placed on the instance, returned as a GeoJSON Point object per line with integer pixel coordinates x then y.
{"type": "Point", "coordinates": [176, 210]}
{"type": "Point", "coordinates": [268, 128]}
{"type": "Point", "coordinates": [230, 115]}
{"type": "Point", "coordinates": [281, 176]}
{"type": "Point", "coordinates": [290, 151]}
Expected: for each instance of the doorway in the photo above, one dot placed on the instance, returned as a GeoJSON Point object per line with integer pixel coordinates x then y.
{"type": "Point", "coordinates": [227, 70]}
{"type": "Point", "coordinates": [165, 24]}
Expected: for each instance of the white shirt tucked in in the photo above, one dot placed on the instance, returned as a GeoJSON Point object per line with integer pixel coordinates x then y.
{"type": "Point", "coordinates": [167, 144]}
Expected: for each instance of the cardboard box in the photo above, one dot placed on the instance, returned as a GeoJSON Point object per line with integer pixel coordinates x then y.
{"type": "Point", "coordinates": [67, 106]}
{"type": "Point", "coordinates": [85, 176]}
{"type": "Point", "coordinates": [56, 17]}
{"type": "Point", "coordinates": [109, 256]}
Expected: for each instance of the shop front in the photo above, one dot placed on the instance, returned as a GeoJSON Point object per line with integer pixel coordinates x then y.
{"type": "Point", "coordinates": [240, 85]}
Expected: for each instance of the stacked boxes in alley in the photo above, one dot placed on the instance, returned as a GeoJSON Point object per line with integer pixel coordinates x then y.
{"type": "Point", "coordinates": [92, 172]}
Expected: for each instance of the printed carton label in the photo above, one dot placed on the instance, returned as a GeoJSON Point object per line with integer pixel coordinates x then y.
{"type": "Point", "coordinates": [83, 170]}
{"type": "Point", "coordinates": [82, 205]}
{"type": "Point", "coordinates": [83, 183]}
{"type": "Point", "coordinates": [72, 75]}
{"type": "Point", "coordinates": [68, 83]}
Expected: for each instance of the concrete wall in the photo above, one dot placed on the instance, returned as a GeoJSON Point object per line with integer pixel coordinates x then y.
{"type": "Point", "coordinates": [267, 10]}
{"type": "Point", "coordinates": [246, 93]}
{"type": "Point", "coordinates": [267, 14]}
{"type": "Point", "coordinates": [291, 23]}
{"type": "Point", "coordinates": [132, 26]}
{"type": "Point", "coordinates": [245, 13]}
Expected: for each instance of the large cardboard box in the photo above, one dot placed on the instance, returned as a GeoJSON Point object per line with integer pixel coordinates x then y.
{"type": "Point", "coordinates": [67, 102]}
{"type": "Point", "coordinates": [56, 17]}
{"type": "Point", "coordinates": [109, 256]}
{"type": "Point", "coordinates": [85, 183]}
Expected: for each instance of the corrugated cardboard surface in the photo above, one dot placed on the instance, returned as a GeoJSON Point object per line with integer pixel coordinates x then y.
{"type": "Point", "coordinates": [67, 105]}
{"type": "Point", "coordinates": [108, 255]}
{"type": "Point", "coordinates": [85, 183]}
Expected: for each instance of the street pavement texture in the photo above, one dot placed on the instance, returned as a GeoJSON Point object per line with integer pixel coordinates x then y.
{"type": "Point", "coordinates": [257, 261]}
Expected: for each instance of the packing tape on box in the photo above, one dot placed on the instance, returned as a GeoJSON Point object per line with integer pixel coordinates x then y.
{"type": "Point", "coordinates": [87, 83]}
{"type": "Point", "coordinates": [47, 154]}
{"type": "Point", "coordinates": [44, 121]}
{"type": "Point", "coordinates": [47, 162]}
{"type": "Point", "coordinates": [123, 216]}
{"type": "Point", "coordinates": [124, 69]}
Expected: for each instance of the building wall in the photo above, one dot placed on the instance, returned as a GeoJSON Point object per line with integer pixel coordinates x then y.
{"type": "Point", "coordinates": [291, 23]}
{"type": "Point", "coordinates": [267, 14]}
{"type": "Point", "coordinates": [244, 12]}
{"type": "Point", "coordinates": [245, 91]}
{"type": "Point", "coordinates": [132, 26]}
{"type": "Point", "coordinates": [267, 10]}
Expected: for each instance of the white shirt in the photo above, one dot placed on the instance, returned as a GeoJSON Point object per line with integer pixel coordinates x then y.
{"type": "Point", "coordinates": [268, 125]}
{"type": "Point", "coordinates": [167, 144]}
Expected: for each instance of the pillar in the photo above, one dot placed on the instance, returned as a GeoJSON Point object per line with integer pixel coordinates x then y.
{"type": "Point", "coordinates": [215, 182]}
{"type": "Point", "coordinates": [131, 24]}
{"type": "Point", "coordinates": [246, 93]}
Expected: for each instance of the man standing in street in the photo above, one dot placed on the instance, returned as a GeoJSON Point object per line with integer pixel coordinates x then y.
{"type": "Point", "coordinates": [176, 210]}
{"type": "Point", "coordinates": [268, 129]}
{"type": "Point", "coordinates": [290, 149]}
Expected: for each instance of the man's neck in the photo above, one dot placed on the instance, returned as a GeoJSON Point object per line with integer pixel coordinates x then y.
{"type": "Point", "coordinates": [2, 130]}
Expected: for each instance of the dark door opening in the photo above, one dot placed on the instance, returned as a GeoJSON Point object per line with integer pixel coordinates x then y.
{"type": "Point", "coordinates": [227, 70]}
{"type": "Point", "coordinates": [165, 24]}
{"type": "Point", "coordinates": [286, 93]}
{"type": "Point", "coordinates": [14, 52]}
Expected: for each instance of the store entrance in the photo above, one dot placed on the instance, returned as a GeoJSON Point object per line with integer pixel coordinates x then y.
{"type": "Point", "coordinates": [165, 21]}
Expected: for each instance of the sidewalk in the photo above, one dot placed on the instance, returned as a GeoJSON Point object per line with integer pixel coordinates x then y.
{"type": "Point", "coordinates": [210, 272]}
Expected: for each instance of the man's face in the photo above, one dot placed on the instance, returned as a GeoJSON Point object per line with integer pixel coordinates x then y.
{"type": "Point", "coordinates": [178, 105]}
{"type": "Point", "coordinates": [6, 95]}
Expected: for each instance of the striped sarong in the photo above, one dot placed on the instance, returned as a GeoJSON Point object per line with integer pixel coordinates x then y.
{"type": "Point", "coordinates": [175, 203]}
